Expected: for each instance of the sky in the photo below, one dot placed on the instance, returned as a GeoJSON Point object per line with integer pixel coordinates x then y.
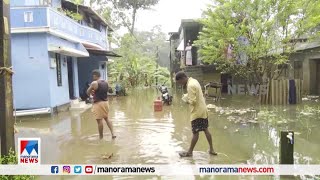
{"type": "Point", "coordinates": [168, 14]}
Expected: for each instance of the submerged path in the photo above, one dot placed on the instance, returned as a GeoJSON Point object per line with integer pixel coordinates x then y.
{"type": "Point", "coordinates": [144, 136]}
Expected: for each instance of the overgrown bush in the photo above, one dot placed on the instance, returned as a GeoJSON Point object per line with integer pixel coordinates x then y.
{"type": "Point", "coordinates": [13, 159]}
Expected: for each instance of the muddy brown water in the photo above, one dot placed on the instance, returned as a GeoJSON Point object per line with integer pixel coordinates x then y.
{"type": "Point", "coordinates": [148, 137]}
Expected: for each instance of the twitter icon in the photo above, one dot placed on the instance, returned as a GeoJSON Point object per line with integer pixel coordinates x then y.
{"type": "Point", "coordinates": [77, 169]}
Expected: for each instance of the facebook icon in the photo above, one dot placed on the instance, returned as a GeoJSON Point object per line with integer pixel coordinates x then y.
{"type": "Point", "coordinates": [54, 169]}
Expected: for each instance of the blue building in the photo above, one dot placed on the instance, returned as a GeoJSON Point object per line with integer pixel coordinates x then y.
{"type": "Point", "coordinates": [53, 55]}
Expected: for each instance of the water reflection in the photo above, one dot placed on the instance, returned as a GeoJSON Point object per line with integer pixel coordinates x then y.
{"type": "Point", "coordinates": [145, 136]}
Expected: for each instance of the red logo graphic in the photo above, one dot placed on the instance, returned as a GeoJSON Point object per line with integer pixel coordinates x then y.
{"type": "Point", "coordinates": [88, 169]}
{"type": "Point", "coordinates": [29, 150]}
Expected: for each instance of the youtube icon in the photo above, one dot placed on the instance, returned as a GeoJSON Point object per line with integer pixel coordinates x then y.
{"type": "Point", "coordinates": [88, 169]}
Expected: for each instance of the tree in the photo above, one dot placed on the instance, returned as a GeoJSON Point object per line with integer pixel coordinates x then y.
{"type": "Point", "coordinates": [134, 5]}
{"type": "Point", "coordinates": [151, 41]}
{"type": "Point", "coordinates": [138, 65]}
{"type": "Point", "coordinates": [78, 2]}
{"type": "Point", "coordinates": [248, 38]}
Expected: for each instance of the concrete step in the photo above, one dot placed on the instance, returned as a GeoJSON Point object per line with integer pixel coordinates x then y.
{"type": "Point", "coordinates": [78, 104]}
{"type": "Point", "coordinates": [74, 102]}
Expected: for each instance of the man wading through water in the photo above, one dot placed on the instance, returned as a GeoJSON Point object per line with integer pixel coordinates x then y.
{"type": "Point", "coordinates": [199, 112]}
{"type": "Point", "coordinates": [100, 108]}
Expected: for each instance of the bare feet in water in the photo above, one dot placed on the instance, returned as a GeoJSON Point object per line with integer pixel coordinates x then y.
{"type": "Point", "coordinates": [185, 154]}
{"type": "Point", "coordinates": [212, 152]}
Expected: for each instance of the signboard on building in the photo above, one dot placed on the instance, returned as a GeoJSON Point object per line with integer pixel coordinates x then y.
{"type": "Point", "coordinates": [59, 74]}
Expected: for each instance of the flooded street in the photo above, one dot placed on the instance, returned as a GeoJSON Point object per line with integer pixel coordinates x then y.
{"type": "Point", "coordinates": [148, 137]}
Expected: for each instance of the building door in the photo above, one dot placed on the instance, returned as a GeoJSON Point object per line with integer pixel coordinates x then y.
{"type": "Point", "coordinates": [314, 69]}
{"type": "Point", "coordinates": [225, 81]}
{"type": "Point", "coordinates": [70, 77]}
{"type": "Point", "coordinates": [318, 77]}
{"type": "Point", "coordinates": [103, 70]}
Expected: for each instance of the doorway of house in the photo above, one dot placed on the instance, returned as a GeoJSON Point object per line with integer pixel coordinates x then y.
{"type": "Point", "coordinates": [225, 80]}
{"type": "Point", "coordinates": [314, 76]}
{"type": "Point", "coordinates": [317, 82]}
{"type": "Point", "coordinates": [102, 68]}
{"type": "Point", "coordinates": [70, 77]}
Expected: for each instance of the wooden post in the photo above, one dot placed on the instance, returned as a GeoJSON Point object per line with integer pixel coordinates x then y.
{"type": "Point", "coordinates": [286, 147]}
{"type": "Point", "coordinates": [6, 105]}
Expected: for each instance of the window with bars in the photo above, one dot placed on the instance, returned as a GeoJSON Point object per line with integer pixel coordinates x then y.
{"type": "Point", "coordinates": [298, 72]}
{"type": "Point", "coordinates": [45, 2]}
{"type": "Point", "coordinates": [37, 2]}
{"type": "Point", "coordinates": [284, 70]}
{"type": "Point", "coordinates": [28, 16]}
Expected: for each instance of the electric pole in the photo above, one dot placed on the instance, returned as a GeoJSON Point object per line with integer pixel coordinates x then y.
{"type": "Point", "coordinates": [6, 102]}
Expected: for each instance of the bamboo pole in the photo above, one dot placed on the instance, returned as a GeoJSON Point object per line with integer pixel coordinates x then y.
{"type": "Point", "coordinates": [273, 92]}
{"type": "Point", "coordinates": [267, 96]}
{"type": "Point", "coordinates": [286, 91]}
{"type": "Point", "coordinates": [283, 82]}
{"type": "Point", "coordinates": [260, 96]}
{"type": "Point", "coordinates": [298, 91]}
{"type": "Point", "coordinates": [277, 92]}
{"type": "Point", "coordinates": [296, 84]}
{"type": "Point", "coordinates": [280, 92]}
{"type": "Point", "coordinates": [288, 84]}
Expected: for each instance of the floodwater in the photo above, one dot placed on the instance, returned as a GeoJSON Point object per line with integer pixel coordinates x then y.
{"type": "Point", "coordinates": [146, 137]}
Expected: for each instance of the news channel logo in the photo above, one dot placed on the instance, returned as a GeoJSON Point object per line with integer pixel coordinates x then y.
{"type": "Point", "coordinates": [29, 151]}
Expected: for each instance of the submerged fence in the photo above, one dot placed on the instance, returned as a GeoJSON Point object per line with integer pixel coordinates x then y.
{"type": "Point", "coordinates": [282, 92]}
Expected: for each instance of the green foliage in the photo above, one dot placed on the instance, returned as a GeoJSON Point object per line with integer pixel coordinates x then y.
{"type": "Point", "coordinates": [13, 159]}
{"type": "Point", "coordinates": [73, 15]}
{"type": "Point", "coordinates": [134, 6]}
{"type": "Point", "coordinates": [138, 4]}
{"type": "Point", "coordinates": [269, 25]}
{"type": "Point", "coordinates": [138, 66]}
{"type": "Point", "coordinates": [78, 2]}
